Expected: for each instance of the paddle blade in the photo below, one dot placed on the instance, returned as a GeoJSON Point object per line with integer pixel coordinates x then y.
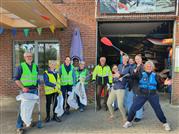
{"type": "Point", "coordinates": [106, 41]}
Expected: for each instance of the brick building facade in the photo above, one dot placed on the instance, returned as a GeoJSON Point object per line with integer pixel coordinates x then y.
{"type": "Point", "coordinates": [82, 14]}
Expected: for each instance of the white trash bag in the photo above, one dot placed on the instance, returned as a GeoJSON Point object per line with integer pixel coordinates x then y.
{"type": "Point", "coordinates": [59, 108]}
{"type": "Point", "coordinates": [80, 91]}
{"type": "Point", "coordinates": [72, 99]}
{"type": "Point", "coordinates": [28, 101]}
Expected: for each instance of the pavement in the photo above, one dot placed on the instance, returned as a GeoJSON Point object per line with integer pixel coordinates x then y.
{"type": "Point", "coordinates": [91, 122]}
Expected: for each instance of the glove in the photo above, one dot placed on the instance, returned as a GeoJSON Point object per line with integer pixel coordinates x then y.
{"type": "Point", "coordinates": [58, 90]}
{"type": "Point", "coordinates": [82, 80]}
{"type": "Point", "coordinates": [110, 85]}
{"type": "Point", "coordinates": [93, 81]}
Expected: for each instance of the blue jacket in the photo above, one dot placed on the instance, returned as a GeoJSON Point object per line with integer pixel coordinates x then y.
{"type": "Point", "coordinates": [123, 70]}
{"type": "Point", "coordinates": [148, 81]}
{"type": "Point", "coordinates": [117, 84]}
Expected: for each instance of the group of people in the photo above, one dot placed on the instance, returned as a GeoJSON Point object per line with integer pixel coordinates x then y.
{"type": "Point", "coordinates": [56, 82]}
{"type": "Point", "coordinates": [129, 85]}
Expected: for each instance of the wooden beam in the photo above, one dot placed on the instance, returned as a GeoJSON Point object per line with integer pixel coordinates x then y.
{"type": "Point", "coordinates": [54, 11]}
{"type": "Point", "coordinates": [32, 11]}
{"type": "Point", "coordinates": [17, 23]}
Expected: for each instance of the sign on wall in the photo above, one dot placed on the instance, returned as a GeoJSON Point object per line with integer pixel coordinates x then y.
{"type": "Point", "coordinates": [177, 59]}
{"type": "Point", "coordinates": [137, 6]}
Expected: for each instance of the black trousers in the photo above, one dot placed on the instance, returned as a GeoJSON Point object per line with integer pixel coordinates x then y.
{"type": "Point", "coordinates": [98, 95]}
{"type": "Point", "coordinates": [51, 98]}
{"type": "Point", "coordinates": [65, 90]}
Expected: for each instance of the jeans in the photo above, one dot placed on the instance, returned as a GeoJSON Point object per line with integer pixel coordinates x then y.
{"type": "Point", "coordinates": [19, 123]}
{"type": "Point", "coordinates": [170, 92]}
{"type": "Point", "coordinates": [128, 101]}
{"type": "Point", "coordinates": [140, 100]}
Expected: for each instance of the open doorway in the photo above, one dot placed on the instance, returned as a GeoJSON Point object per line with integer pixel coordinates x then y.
{"type": "Point", "coordinates": [145, 38]}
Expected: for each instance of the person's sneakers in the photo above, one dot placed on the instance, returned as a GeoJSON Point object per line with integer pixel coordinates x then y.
{"type": "Point", "coordinates": [98, 108]}
{"type": "Point", "coordinates": [81, 110]}
{"type": "Point", "coordinates": [47, 119]}
{"type": "Point", "coordinates": [67, 112]}
{"type": "Point", "coordinates": [57, 119]}
{"type": "Point", "coordinates": [115, 109]}
{"type": "Point", "coordinates": [167, 127]}
{"type": "Point", "coordinates": [127, 124]}
{"type": "Point", "coordinates": [20, 131]}
{"type": "Point", "coordinates": [137, 119]}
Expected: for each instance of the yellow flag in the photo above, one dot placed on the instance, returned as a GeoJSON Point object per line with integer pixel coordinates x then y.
{"type": "Point", "coordinates": [52, 28]}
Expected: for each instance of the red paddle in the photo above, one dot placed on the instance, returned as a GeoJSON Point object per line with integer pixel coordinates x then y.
{"type": "Point", "coordinates": [107, 42]}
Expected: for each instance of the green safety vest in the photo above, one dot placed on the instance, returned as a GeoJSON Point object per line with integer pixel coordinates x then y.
{"type": "Point", "coordinates": [29, 78]}
{"type": "Point", "coordinates": [52, 79]}
{"type": "Point", "coordinates": [102, 72]}
{"type": "Point", "coordinates": [66, 78]}
{"type": "Point", "coordinates": [82, 74]}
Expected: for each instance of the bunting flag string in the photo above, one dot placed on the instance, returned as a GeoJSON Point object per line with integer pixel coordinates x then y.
{"type": "Point", "coordinates": [52, 28]}
{"type": "Point", "coordinates": [26, 32]}
{"type": "Point", "coordinates": [14, 32]}
{"type": "Point", "coordinates": [1, 30]}
{"type": "Point", "coordinates": [39, 31]}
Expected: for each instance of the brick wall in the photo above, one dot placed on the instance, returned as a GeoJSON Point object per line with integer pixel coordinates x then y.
{"type": "Point", "coordinates": [80, 14]}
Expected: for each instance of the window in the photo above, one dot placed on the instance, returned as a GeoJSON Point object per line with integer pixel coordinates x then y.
{"type": "Point", "coordinates": [42, 52]}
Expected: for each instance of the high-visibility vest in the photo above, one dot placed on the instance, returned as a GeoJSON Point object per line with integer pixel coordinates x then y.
{"type": "Point", "coordinates": [52, 79]}
{"type": "Point", "coordinates": [81, 74]}
{"type": "Point", "coordinates": [28, 77]}
{"type": "Point", "coordinates": [66, 78]}
{"type": "Point", "coordinates": [102, 72]}
{"type": "Point", "coordinates": [148, 82]}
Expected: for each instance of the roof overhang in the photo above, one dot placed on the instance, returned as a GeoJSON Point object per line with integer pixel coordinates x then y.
{"type": "Point", "coordinates": [30, 14]}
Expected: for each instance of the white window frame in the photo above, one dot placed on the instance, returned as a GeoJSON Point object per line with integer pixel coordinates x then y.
{"type": "Point", "coordinates": [36, 42]}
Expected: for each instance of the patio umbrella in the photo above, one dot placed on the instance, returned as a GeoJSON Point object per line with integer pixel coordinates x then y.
{"type": "Point", "coordinates": [76, 50]}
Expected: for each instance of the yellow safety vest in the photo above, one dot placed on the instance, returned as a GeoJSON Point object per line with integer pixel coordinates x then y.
{"type": "Point", "coordinates": [66, 78]}
{"type": "Point", "coordinates": [28, 77]}
{"type": "Point", "coordinates": [52, 79]}
{"type": "Point", "coordinates": [102, 72]}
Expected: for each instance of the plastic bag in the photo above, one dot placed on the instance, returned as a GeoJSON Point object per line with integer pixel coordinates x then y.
{"type": "Point", "coordinates": [72, 99]}
{"type": "Point", "coordinates": [59, 108]}
{"type": "Point", "coordinates": [80, 91]}
{"type": "Point", "coordinates": [28, 101]}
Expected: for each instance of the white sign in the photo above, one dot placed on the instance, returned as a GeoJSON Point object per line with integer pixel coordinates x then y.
{"type": "Point", "coordinates": [177, 59]}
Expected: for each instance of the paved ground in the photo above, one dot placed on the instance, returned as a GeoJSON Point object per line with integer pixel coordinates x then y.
{"type": "Point", "coordinates": [91, 122]}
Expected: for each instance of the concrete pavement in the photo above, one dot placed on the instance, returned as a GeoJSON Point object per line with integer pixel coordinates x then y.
{"type": "Point", "coordinates": [91, 122]}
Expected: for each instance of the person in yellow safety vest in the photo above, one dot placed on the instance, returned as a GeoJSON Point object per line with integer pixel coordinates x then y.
{"type": "Point", "coordinates": [26, 78]}
{"type": "Point", "coordinates": [67, 75]}
{"type": "Point", "coordinates": [52, 89]}
{"type": "Point", "coordinates": [103, 75]}
{"type": "Point", "coordinates": [82, 76]}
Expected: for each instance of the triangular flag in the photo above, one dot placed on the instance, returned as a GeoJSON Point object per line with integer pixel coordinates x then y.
{"type": "Point", "coordinates": [26, 32]}
{"type": "Point", "coordinates": [39, 30]}
{"type": "Point", "coordinates": [1, 30]}
{"type": "Point", "coordinates": [14, 32]}
{"type": "Point", "coordinates": [52, 28]}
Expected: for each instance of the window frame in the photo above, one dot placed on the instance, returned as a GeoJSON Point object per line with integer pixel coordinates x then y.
{"type": "Point", "coordinates": [36, 42]}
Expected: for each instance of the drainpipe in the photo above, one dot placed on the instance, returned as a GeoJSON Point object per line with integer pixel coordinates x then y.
{"type": "Point", "coordinates": [177, 6]}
